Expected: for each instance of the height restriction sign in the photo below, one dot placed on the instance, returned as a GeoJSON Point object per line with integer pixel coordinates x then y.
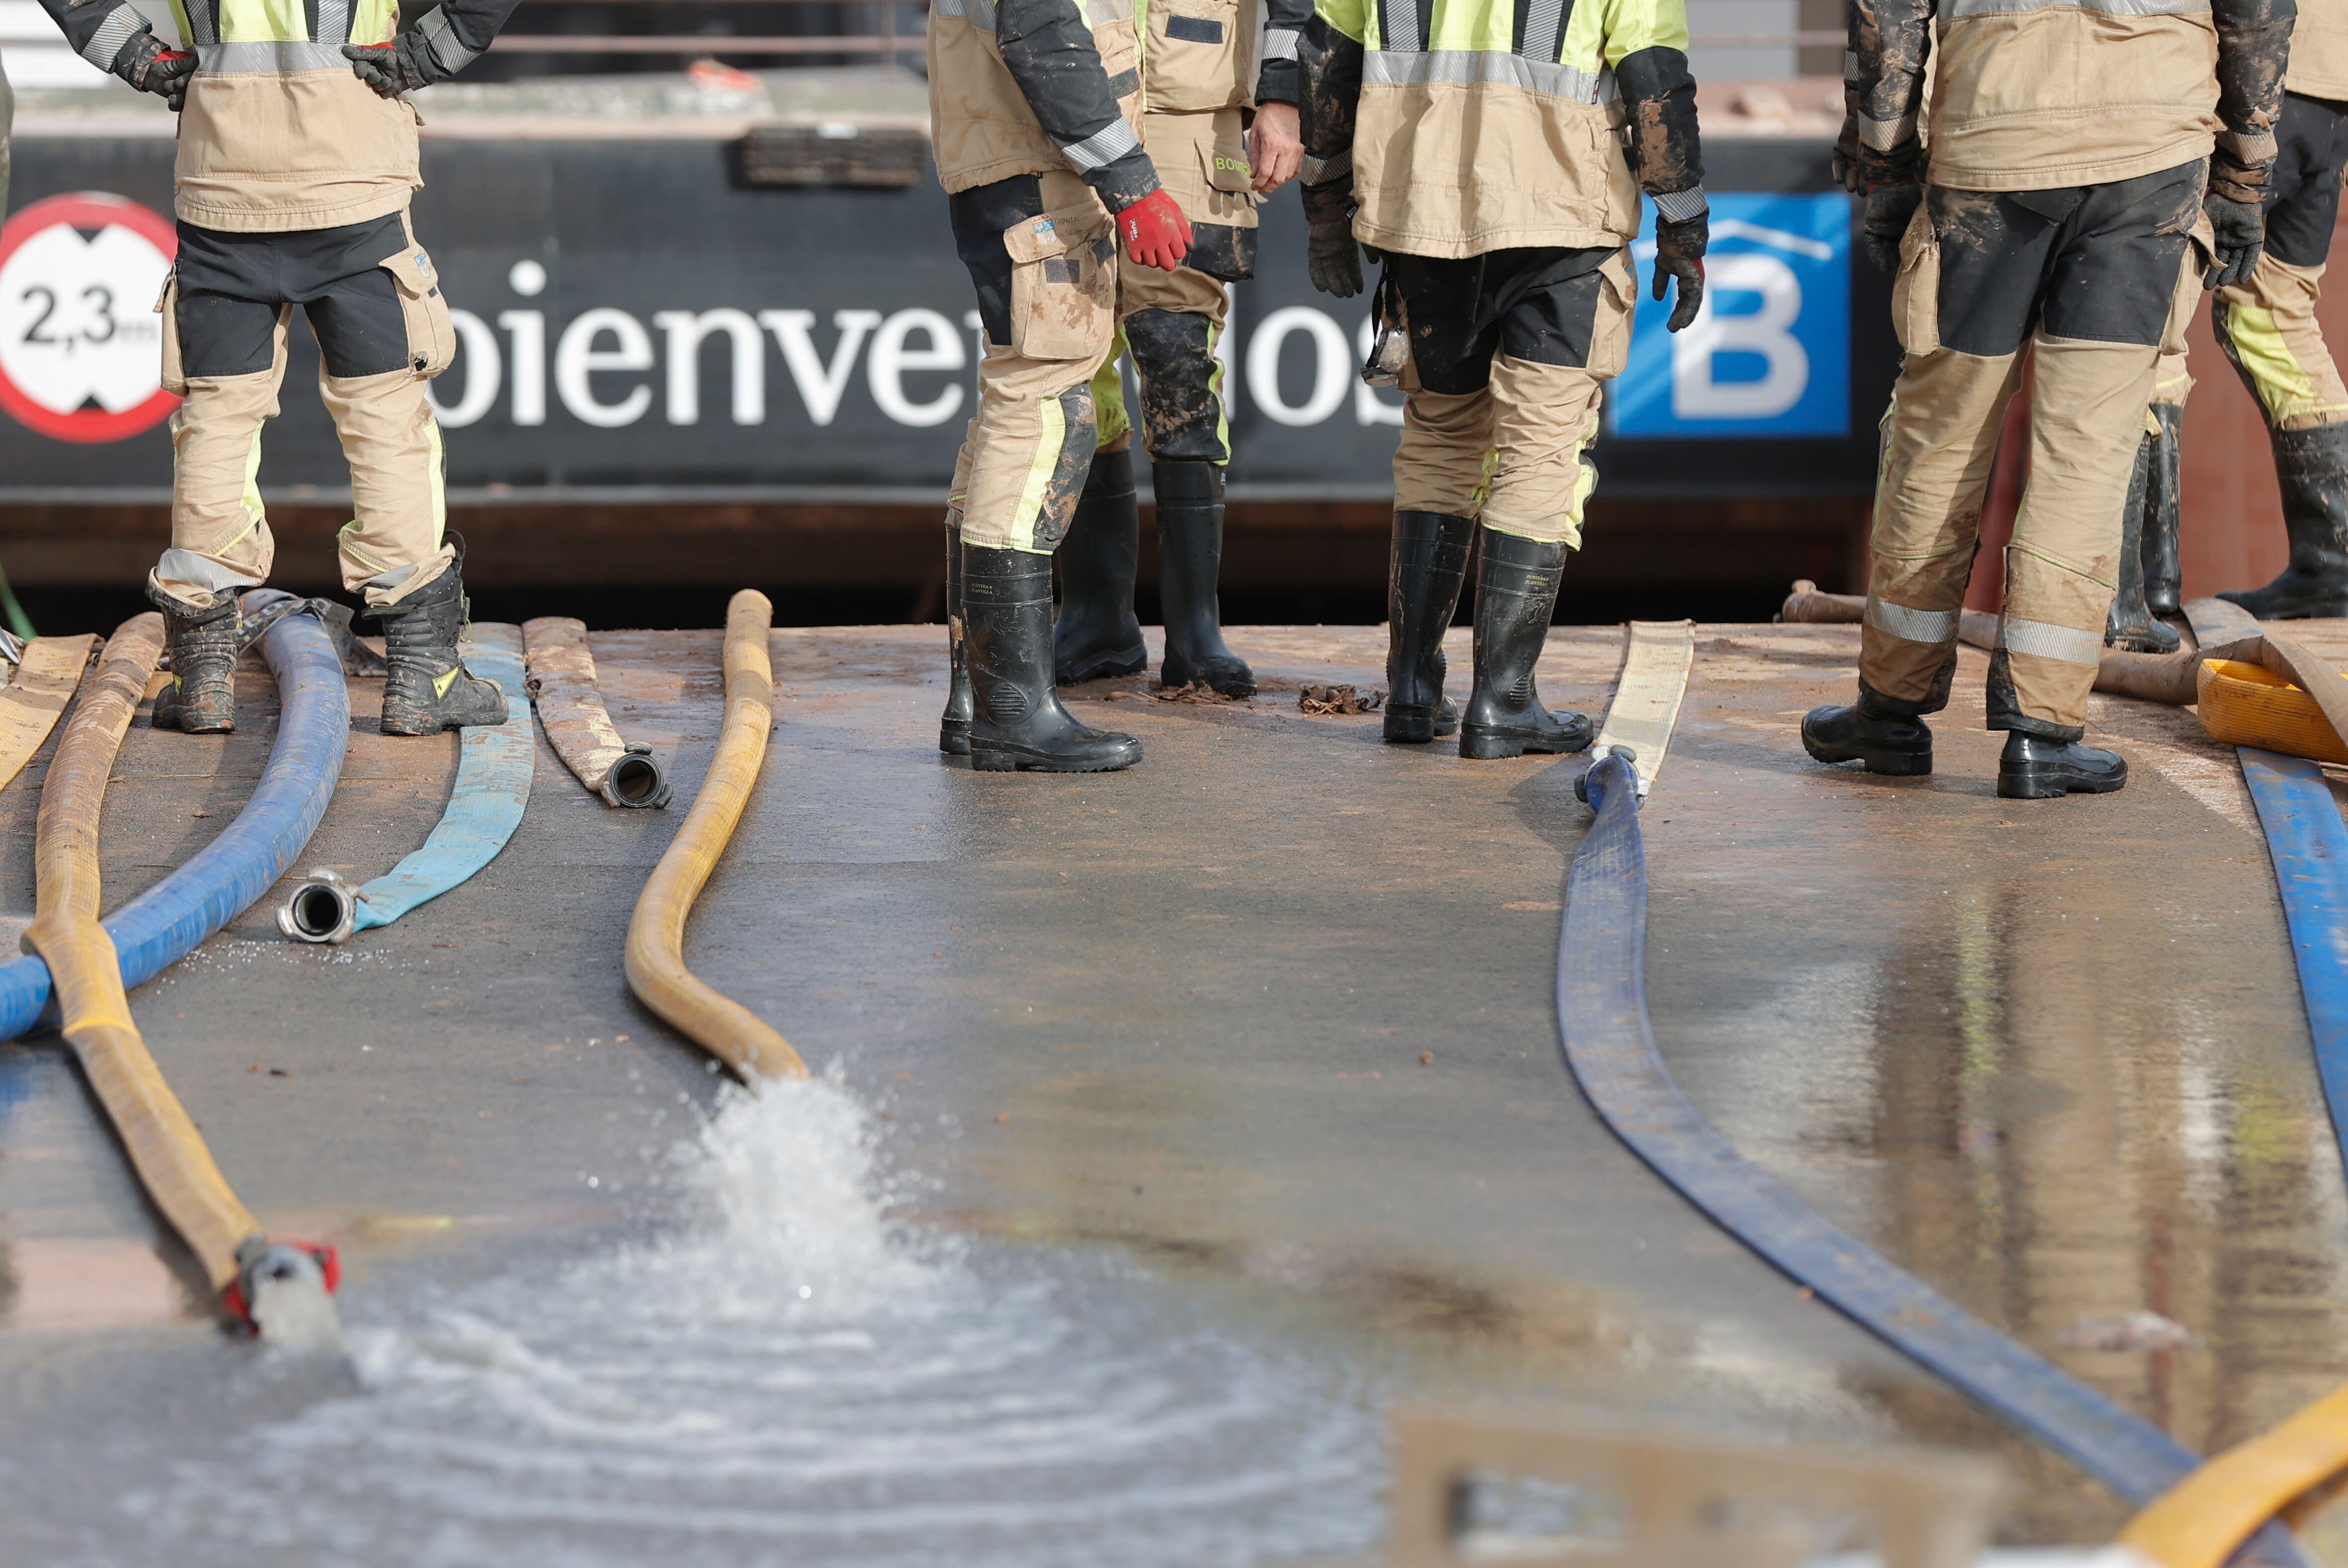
{"type": "Point", "coordinates": [80, 343]}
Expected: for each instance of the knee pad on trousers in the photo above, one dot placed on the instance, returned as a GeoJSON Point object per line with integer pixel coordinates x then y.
{"type": "Point", "coordinates": [1182, 395]}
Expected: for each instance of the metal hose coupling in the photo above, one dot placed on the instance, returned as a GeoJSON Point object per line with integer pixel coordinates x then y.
{"type": "Point", "coordinates": [636, 779]}
{"type": "Point", "coordinates": [284, 1292]}
{"type": "Point", "coordinates": [323, 907]}
{"type": "Point", "coordinates": [1626, 773]}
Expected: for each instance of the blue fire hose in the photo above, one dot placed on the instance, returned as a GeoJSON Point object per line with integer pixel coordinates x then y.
{"type": "Point", "coordinates": [1609, 1046]}
{"type": "Point", "coordinates": [219, 881]}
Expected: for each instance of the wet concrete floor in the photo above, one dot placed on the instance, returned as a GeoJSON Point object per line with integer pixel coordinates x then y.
{"type": "Point", "coordinates": [1270, 1014]}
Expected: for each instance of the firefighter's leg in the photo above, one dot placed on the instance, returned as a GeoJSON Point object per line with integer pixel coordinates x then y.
{"type": "Point", "coordinates": [228, 337]}
{"type": "Point", "coordinates": [1441, 466]}
{"type": "Point", "coordinates": [1562, 338]}
{"type": "Point", "coordinates": [1096, 634]}
{"type": "Point", "coordinates": [1173, 324]}
{"type": "Point", "coordinates": [2147, 569]}
{"type": "Point", "coordinates": [1048, 305]}
{"type": "Point", "coordinates": [383, 333]}
{"type": "Point", "coordinates": [2111, 297]}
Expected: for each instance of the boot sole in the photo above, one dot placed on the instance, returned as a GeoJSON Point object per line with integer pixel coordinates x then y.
{"type": "Point", "coordinates": [2051, 783]}
{"type": "Point", "coordinates": [993, 757]}
{"type": "Point", "coordinates": [1103, 666]}
{"type": "Point", "coordinates": [1406, 727]}
{"type": "Point", "coordinates": [1891, 764]}
{"type": "Point", "coordinates": [1171, 674]}
{"type": "Point", "coordinates": [1487, 746]}
{"type": "Point", "coordinates": [954, 739]}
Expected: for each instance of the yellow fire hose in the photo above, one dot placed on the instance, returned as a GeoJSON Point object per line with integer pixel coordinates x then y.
{"type": "Point", "coordinates": [30, 704]}
{"type": "Point", "coordinates": [655, 950]}
{"type": "Point", "coordinates": [2198, 1521]}
{"type": "Point", "coordinates": [168, 1153]}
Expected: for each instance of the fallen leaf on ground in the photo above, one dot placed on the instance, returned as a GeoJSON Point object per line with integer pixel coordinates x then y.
{"type": "Point", "coordinates": [1197, 691]}
{"type": "Point", "coordinates": [1337, 700]}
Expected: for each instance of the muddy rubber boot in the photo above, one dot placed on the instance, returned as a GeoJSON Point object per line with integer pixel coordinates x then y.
{"type": "Point", "coordinates": [954, 724]}
{"type": "Point", "coordinates": [1887, 736]}
{"type": "Point", "coordinates": [203, 646]}
{"type": "Point", "coordinates": [1516, 589]}
{"type": "Point", "coordinates": [2312, 467]}
{"type": "Point", "coordinates": [426, 686]}
{"type": "Point", "coordinates": [2128, 624]}
{"type": "Point", "coordinates": [1017, 721]}
{"type": "Point", "coordinates": [1423, 572]}
{"type": "Point", "coordinates": [2034, 769]}
{"type": "Point", "coordinates": [1189, 560]}
{"type": "Point", "coordinates": [2163, 578]}
{"type": "Point", "coordinates": [1097, 635]}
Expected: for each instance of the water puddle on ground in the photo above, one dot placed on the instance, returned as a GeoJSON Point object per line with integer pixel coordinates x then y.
{"type": "Point", "coordinates": [787, 1374]}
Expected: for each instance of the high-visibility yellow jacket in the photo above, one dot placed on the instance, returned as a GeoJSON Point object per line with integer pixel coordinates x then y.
{"type": "Point", "coordinates": [279, 133]}
{"type": "Point", "coordinates": [1480, 125]}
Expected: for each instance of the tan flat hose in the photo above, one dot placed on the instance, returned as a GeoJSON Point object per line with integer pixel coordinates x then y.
{"type": "Point", "coordinates": [45, 680]}
{"type": "Point", "coordinates": [562, 684]}
{"type": "Point", "coordinates": [655, 950]}
{"type": "Point", "coordinates": [165, 1148]}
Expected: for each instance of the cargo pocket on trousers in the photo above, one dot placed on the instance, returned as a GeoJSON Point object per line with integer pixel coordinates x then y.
{"type": "Point", "coordinates": [431, 336]}
{"type": "Point", "coordinates": [166, 306]}
{"type": "Point", "coordinates": [1610, 327]}
{"type": "Point", "coordinates": [1063, 283]}
{"type": "Point", "coordinates": [2200, 255]}
{"type": "Point", "coordinates": [1916, 292]}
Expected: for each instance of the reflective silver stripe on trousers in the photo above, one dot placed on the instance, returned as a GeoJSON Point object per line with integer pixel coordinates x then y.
{"type": "Point", "coordinates": [1468, 67]}
{"type": "Point", "coordinates": [2065, 644]}
{"type": "Point", "coordinates": [1280, 44]}
{"type": "Point", "coordinates": [112, 35]}
{"type": "Point", "coordinates": [1883, 135]}
{"type": "Point", "coordinates": [1958, 10]}
{"type": "Point", "coordinates": [1102, 148]}
{"type": "Point", "coordinates": [1679, 206]}
{"type": "Point", "coordinates": [1322, 170]}
{"type": "Point", "coordinates": [283, 56]}
{"type": "Point", "coordinates": [440, 36]}
{"type": "Point", "coordinates": [1912, 625]}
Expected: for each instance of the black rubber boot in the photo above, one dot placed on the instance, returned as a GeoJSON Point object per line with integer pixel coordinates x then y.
{"type": "Point", "coordinates": [2162, 576]}
{"type": "Point", "coordinates": [1516, 589]}
{"type": "Point", "coordinates": [1018, 722]}
{"type": "Point", "coordinates": [2033, 767]}
{"type": "Point", "coordinates": [1190, 560]}
{"type": "Point", "coordinates": [1423, 577]}
{"type": "Point", "coordinates": [203, 646]}
{"type": "Point", "coordinates": [426, 687]}
{"type": "Point", "coordinates": [1887, 736]}
{"type": "Point", "coordinates": [2128, 624]}
{"type": "Point", "coordinates": [954, 724]}
{"type": "Point", "coordinates": [1097, 635]}
{"type": "Point", "coordinates": [2312, 467]}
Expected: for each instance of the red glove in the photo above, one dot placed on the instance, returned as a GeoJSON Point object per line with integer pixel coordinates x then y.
{"type": "Point", "coordinates": [1156, 233]}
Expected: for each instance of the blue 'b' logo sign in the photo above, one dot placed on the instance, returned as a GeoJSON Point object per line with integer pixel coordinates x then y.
{"type": "Point", "coordinates": [1769, 354]}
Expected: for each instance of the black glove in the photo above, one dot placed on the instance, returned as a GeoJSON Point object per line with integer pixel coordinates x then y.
{"type": "Point", "coordinates": [1332, 259]}
{"type": "Point", "coordinates": [147, 65]}
{"type": "Point", "coordinates": [2240, 234]}
{"type": "Point", "coordinates": [1679, 253]}
{"type": "Point", "coordinates": [395, 68]}
{"type": "Point", "coordinates": [1844, 166]}
{"type": "Point", "coordinates": [1890, 207]}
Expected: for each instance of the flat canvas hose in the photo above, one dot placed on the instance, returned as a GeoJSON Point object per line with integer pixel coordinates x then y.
{"type": "Point", "coordinates": [221, 880]}
{"type": "Point", "coordinates": [656, 948]}
{"type": "Point", "coordinates": [46, 677]}
{"type": "Point", "coordinates": [563, 684]}
{"type": "Point", "coordinates": [1609, 1045]}
{"type": "Point", "coordinates": [494, 766]}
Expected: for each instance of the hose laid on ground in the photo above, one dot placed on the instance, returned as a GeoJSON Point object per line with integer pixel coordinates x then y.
{"type": "Point", "coordinates": [563, 684]}
{"type": "Point", "coordinates": [178, 1171]}
{"type": "Point", "coordinates": [494, 766]}
{"type": "Point", "coordinates": [1609, 1045]}
{"type": "Point", "coordinates": [656, 948]}
{"type": "Point", "coordinates": [45, 680]}
{"type": "Point", "coordinates": [219, 881]}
